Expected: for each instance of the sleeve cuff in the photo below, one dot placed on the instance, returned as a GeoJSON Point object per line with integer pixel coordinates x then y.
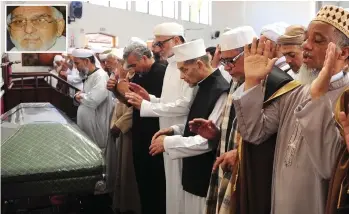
{"type": "Point", "coordinates": [176, 130]}
{"type": "Point", "coordinates": [146, 110]}
{"type": "Point", "coordinates": [169, 142]}
{"type": "Point", "coordinates": [154, 99]}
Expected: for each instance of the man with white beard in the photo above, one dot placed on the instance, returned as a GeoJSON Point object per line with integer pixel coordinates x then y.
{"type": "Point", "coordinates": [308, 140]}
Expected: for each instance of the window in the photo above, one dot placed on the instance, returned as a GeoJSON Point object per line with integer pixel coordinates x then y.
{"type": "Point", "coordinates": [170, 9]}
{"type": "Point", "coordinates": [142, 6]}
{"type": "Point", "coordinates": [155, 7]}
{"type": "Point", "coordinates": [185, 10]}
{"type": "Point", "coordinates": [205, 12]}
{"type": "Point", "coordinates": [121, 4]}
{"type": "Point", "coordinates": [194, 12]}
{"type": "Point", "coordinates": [98, 2]}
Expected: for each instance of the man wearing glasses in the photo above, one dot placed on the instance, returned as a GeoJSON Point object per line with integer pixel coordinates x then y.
{"type": "Point", "coordinates": [36, 28]}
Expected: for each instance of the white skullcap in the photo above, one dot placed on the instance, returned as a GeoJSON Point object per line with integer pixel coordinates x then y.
{"type": "Point", "coordinates": [119, 53]}
{"type": "Point", "coordinates": [58, 58]}
{"type": "Point", "coordinates": [168, 29]}
{"type": "Point", "coordinates": [138, 40]}
{"type": "Point", "coordinates": [237, 38]}
{"type": "Point", "coordinates": [103, 57]}
{"type": "Point", "coordinates": [189, 50]}
{"type": "Point", "coordinates": [274, 31]}
{"type": "Point", "coordinates": [82, 53]}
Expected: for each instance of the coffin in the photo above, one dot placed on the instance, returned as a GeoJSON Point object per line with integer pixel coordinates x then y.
{"type": "Point", "coordinates": [44, 153]}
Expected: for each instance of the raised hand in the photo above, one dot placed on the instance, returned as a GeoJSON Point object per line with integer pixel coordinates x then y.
{"type": "Point", "coordinates": [320, 85]}
{"type": "Point", "coordinates": [111, 84]}
{"type": "Point", "coordinates": [257, 65]}
{"type": "Point", "coordinates": [205, 128]}
{"type": "Point", "coordinates": [344, 120]}
{"type": "Point", "coordinates": [139, 90]}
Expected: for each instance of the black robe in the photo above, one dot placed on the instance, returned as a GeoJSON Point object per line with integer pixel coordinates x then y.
{"type": "Point", "coordinates": [150, 174]}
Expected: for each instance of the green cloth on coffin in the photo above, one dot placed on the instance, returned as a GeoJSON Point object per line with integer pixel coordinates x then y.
{"type": "Point", "coordinates": [44, 153]}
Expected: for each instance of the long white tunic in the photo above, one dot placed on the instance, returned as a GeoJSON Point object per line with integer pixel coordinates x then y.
{"type": "Point", "coordinates": [95, 109]}
{"type": "Point", "coordinates": [171, 108]}
{"type": "Point", "coordinates": [178, 147]}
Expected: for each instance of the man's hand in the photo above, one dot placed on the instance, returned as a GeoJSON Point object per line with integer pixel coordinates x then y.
{"type": "Point", "coordinates": [115, 131]}
{"type": "Point", "coordinates": [157, 146]}
{"type": "Point", "coordinates": [256, 62]}
{"type": "Point", "coordinates": [320, 85]}
{"type": "Point", "coordinates": [167, 131]}
{"type": "Point", "coordinates": [111, 84]}
{"type": "Point", "coordinates": [344, 120]}
{"type": "Point", "coordinates": [139, 90]}
{"type": "Point", "coordinates": [205, 128]}
{"type": "Point", "coordinates": [227, 161]}
{"type": "Point", "coordinates": [78, 96]}
{"type": "Point", "coordinates": [63, 73]}
{"type": "Point", "coordinates": [216, 57]}
{"type": "Point", "coordinates": [134, 99]}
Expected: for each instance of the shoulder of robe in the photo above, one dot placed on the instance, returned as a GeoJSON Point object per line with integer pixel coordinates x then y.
{"type": "Point", "coordinates": [277, 84]}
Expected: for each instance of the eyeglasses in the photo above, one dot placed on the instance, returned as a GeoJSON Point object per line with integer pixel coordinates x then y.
{"type": "Point", "coordinates": [161, 43]}
{"type": "Point", "coordinates": [231, 61]}
{"type": "Point", "coordinates": [40, 22]}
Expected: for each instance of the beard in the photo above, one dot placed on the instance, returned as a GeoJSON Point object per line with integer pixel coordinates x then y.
{"type": "Point", "coordinates": [44, 46]}
{"type": "Point", "coordinates": [83, 73]}
{"type": "Point", "coordinates": [306, 75]}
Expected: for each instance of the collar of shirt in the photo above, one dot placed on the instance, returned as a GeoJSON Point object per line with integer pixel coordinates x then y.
{"type": "Point", "coordinates": [171, 59]}
{"type": "Point", "coordinates": [337, 76]}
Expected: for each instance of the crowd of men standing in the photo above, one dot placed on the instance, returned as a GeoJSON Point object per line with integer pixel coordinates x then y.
{"type": "Point", "coordinates": [255, 125]}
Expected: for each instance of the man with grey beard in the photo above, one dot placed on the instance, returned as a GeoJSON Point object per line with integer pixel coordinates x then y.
{"type": "Point", "coordinates": [308, 142]}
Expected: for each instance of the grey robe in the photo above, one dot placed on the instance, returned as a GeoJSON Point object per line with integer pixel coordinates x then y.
{"type": "Point", "coordinates": [307, 145]}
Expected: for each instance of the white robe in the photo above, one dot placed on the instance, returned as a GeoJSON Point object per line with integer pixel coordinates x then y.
{"type": "Point", "coordinates": [178, 147]}
{"type": "Point", "coordinates": [74, 79]}
{"type": "Point", "coordinates": [171, 108]}
{"type": "Point", "coordinates": [95, 108]}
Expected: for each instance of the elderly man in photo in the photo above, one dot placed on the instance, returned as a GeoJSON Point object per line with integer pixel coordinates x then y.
{"type": "Point", "coordinates": [36, 28]}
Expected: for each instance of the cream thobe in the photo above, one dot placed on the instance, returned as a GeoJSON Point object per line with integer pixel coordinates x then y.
{"type": "Point", "coordinates": [178, 147]}
{"type": "Point", "coordinates": [307, 145]}
{"type": "Point", "coordinates": [171, 108]}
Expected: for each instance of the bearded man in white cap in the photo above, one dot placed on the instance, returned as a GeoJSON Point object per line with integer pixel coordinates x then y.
{"type": "Point", "coordinates": [222, 198]}
{"type": "Point", "coordinates": [309, 141]}
{"type": "Point", "coordinates": [196, 152]}
{"type": "Point", "coordinates": [171, 107]}
{"type": "Point", "coordinates": [95, 101]}
{"type": "Point", "coordinates": [272, 32]}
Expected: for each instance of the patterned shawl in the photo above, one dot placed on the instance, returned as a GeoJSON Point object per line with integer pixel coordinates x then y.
{"type": "Point", "coordinates": [219, 193]}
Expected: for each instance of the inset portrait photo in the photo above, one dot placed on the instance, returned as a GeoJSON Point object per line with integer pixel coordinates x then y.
{"type": "Point", "coordinates": [36, 28]}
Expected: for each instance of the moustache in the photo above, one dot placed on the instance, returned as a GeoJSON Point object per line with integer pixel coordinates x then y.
{"type": "Point", "coordinates": [307, 54]}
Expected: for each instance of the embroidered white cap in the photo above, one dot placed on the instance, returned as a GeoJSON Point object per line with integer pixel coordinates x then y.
{"type": "Point", "coordinates": [70, 50]}
{"type": "Point", "coordinates": [189, 50]}
{"type": "Point", "coordinates": [168, 29]}
{"type": "Point", "coordinates": [237, 38]}
{"type": "Point", "coordinates": [103, 57]}
{"type": "Point", "coordinates": [82, 53]}
{"type": "Point", "coordinates": [274, 31]}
